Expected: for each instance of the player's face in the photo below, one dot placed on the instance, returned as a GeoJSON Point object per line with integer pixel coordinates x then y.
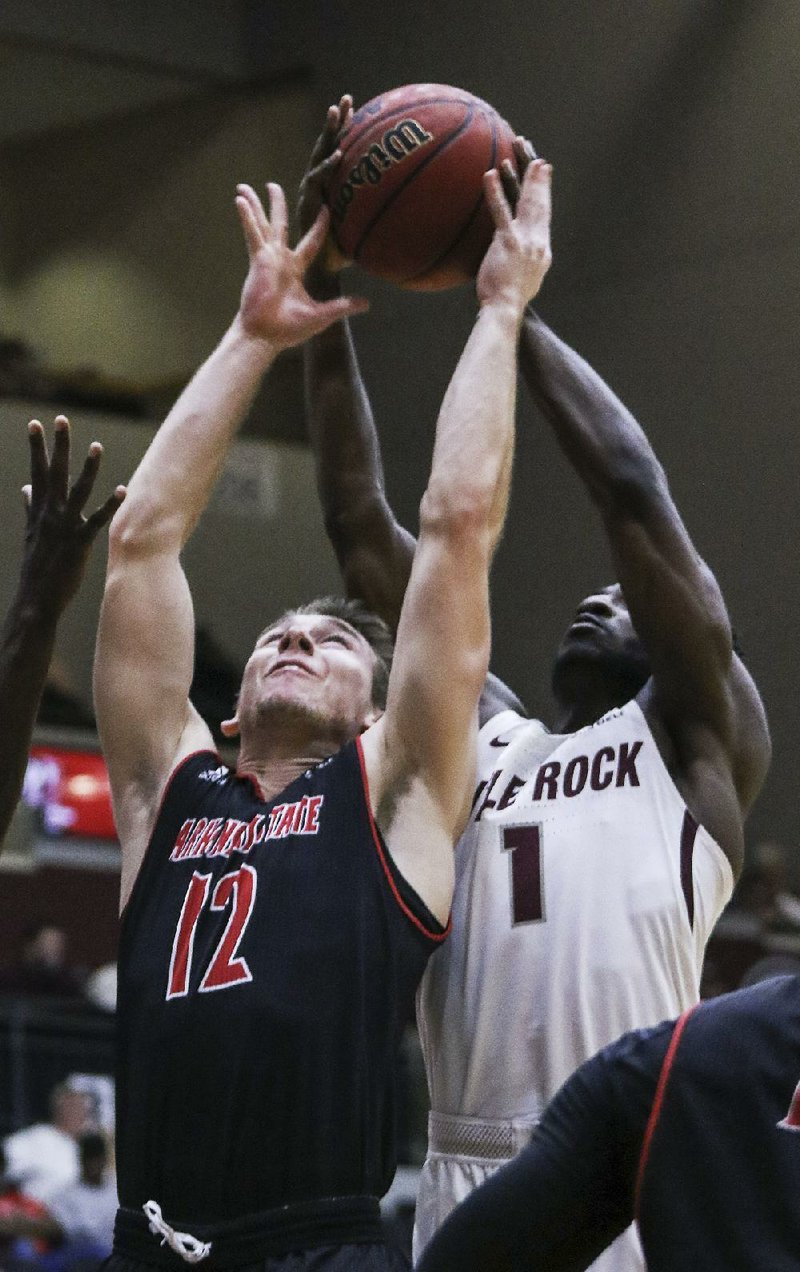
{"type": "Point", "coordinates": [312, 666]}
{"type": "Point", "coordinates": [602, 635]}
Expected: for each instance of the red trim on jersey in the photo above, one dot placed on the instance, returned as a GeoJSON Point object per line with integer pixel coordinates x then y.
{"type": "Point", "coordinates": [658, 1102]}
{"type": "Point", "coordinates": [256, 785]}
{"type": "Point", "coordinates": [433, 936]}
{"type": "Point", "coordinates": [203, 750]}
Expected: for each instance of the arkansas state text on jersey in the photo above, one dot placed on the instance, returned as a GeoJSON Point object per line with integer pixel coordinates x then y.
{"type": "Point", "coordinates": [239, 902]}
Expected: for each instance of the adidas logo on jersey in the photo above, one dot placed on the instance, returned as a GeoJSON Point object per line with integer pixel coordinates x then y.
{"type": "Point", "coordinates": [213, 775]}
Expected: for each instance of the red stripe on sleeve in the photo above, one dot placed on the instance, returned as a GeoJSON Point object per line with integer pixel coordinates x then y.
{"type": "Point", "coordinates": [658, 1102]}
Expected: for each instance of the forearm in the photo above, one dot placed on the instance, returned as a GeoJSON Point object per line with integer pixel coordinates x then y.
{"type": "Point", "coordinates": [172, 485]}
{"type": "Point", "coordinates": [374, 552]}
{"type": "Point", "coordinates": [26, 648]}
{"type": "Point", "coordinates": [340, 424]}
{"type": "Point", "coordinates": [560, 1202]}
{"type": "Point", "coordinates": [597, 433]}
{"type": "Point", "coordinates": [472, 454]}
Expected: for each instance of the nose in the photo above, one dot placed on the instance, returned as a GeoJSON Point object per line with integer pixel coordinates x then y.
{"type": "Point", "coordinates": [295, 638]}
{"type": "Point", "coordinates": [599, 605]}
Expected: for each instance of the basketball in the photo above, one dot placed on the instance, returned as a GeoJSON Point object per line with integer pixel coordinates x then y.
{"type": "Point", "coordinates": [406, 199]}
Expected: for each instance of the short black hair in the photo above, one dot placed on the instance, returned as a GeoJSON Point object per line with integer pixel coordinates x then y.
{"type": "Point", "coordinates": [375, 631]}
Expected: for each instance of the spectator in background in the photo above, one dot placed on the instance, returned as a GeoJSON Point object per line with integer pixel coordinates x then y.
{"type": "Point", "coordinates": [42, 969]}
{"type": "Point", "coordinates": [43, 1159]}
{"type": "Point", "coordinates": [22, 1223]}
{"type": "Point", "coordinates": [759, 933]}
{"type": "Point", "coordinates": [58, 539]}
{"type": "Point", "coordinates": [83, 1213]}
{"type": "Point", "coordinates": [101, 987]}
{"type": "Point", "coordinates": [779, 907]}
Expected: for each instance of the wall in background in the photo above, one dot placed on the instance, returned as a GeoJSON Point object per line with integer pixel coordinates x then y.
{"type": "Point", "coordinates": [673, 131]}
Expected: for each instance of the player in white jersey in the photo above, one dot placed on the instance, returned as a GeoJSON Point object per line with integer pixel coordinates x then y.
{"type": "Point", "coordinates": [585, 894]}
{"type": "Point", "coordinates": [599, 855]}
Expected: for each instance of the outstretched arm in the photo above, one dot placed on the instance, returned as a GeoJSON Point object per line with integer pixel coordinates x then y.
{"type": "Point", "coordinates": [716, 739]}
{"type": "Point", "coordinates": [570, 1193]}
{"type": "Point", "coordinates": [373, 550]}
{"type": "Point", "coordinates": [143, 667]}
{"type": "Point", "coordinates": [699, 688]}
{"type": "Point", "coordinates": [58, 540]}
{"type": "Point", "coordinates": [423, 750]}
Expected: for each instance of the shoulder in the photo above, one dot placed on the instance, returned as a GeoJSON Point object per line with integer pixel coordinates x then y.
{"type": "Point", "coordinates": [733, 741]}
{"type": "Point", "coordinates": [614, 1089]}
{"type": "Point", "coordinates": [496, 697]}
{"type": "Point", "coordinates": [499, 728]}
{"type": "Point", "coordinates": [775, 1002]}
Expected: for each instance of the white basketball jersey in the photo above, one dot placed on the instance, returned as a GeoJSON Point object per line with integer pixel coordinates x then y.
{"type": "Point", "coordinates": [585, 894]}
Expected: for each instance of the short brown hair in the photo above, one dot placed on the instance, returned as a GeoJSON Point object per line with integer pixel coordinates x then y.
{"type": "Point", "coordinates": [375, 631]}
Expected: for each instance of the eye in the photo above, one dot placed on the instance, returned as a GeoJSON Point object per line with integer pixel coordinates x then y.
{"type": "Point", "coordinates": [336, 639]}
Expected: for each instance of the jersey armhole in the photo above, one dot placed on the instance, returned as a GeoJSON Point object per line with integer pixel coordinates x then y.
{"type": "Point", "coordinates": [167, 788]}
{"type": "Point", "coordinates": [404, 894]}
{"type": "Point", "coordinates": [658, 1103]}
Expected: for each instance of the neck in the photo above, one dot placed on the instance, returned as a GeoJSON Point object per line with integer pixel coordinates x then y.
{"type": "Point", "coordinates": [588, 701]}
{"type": "Point", "coordinates": [273, 776]}
{"type": "Point", "coordinates": [275, 762]}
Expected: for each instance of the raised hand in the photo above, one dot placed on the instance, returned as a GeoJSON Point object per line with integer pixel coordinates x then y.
{"type": "Point", "coordinates": [324, 160]}
{"type": "Point", "coordinates": [58, 537]}
{"type": "Point", "coordinates": [519, 255]}
{"type": "Point", "coordinates": [275, 305]}
{"type": "Point", "coordinates": [511, 173]}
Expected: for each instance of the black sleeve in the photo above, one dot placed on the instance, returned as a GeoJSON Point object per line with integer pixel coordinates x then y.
{"type": "Point", "coordinates": [570, 1193]}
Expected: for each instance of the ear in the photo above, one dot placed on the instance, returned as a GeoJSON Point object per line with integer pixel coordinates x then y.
{"type": "Point", "coordinates": [230, 728]}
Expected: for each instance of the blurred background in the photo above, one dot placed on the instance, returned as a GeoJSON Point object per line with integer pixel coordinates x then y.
{"type": "Point", "coordinates": [672, 126]}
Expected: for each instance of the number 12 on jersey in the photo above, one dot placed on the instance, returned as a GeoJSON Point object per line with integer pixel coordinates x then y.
{"type": "Point", "coordinates": [524, 843]}
{"type": "Point", "coordinates": [226, 968]}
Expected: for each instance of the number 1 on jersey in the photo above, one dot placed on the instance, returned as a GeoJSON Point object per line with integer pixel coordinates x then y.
{"type": "Point", "coordinates": [524, 843]}
{"type": "Point", "coordinates": [226, 968]}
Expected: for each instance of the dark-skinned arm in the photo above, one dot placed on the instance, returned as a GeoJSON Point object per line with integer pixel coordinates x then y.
{"type": "Point", "coordinates": [701, 690]}
{"type": "Point", "coordinates": [373, 550]}
{"type": "Point", "coordinates": [58, 541]}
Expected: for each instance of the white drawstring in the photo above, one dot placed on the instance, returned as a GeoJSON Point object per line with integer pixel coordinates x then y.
{"type": "Point", "coordinates": [183, 1243]}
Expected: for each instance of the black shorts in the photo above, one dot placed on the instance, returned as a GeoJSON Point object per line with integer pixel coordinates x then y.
{"type": "Point", "coordinates": [364, 1257]}
{"type": "Point", "coordinates": [335, 1235]}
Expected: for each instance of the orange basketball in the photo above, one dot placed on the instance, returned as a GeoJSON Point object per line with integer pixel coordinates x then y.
{"type": "Point", "coordinates": [407, 198]}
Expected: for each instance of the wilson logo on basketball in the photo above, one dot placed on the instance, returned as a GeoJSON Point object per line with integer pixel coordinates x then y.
{"type": "Point", "coordinates": [396, 145]}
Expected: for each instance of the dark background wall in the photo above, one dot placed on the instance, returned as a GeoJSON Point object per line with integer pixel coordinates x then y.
{"type": "Point", "coordinates": [673, 130]}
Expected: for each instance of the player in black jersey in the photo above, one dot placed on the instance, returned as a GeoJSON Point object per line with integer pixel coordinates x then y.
{"type": "Point", "coordinates": [691, 1128]}
{"type": "Point", "coordinates": [58, 540]}
{"type": "Point", "coordinates": [277, 919]}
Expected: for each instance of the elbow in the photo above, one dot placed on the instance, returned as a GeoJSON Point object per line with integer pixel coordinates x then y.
{"type": "Point", "coordinates": [467, 513]}
{"type": "Point", "coordinates": [139, 528]}
{"type": "Point", "coordinates": [631, 487]}
{"type": "Point", "coordinates": [352, 520]}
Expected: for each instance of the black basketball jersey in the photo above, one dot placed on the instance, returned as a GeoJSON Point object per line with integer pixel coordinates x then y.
{"type": "Point", "coordinates": [719, 1181]}
{"type": "Point", "coordinates": [269, 958]}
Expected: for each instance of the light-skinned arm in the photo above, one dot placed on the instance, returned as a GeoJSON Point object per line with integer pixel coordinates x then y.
{"type": "Point", "coordinates": [145, 650]}
{"type": "Point", "coordinates": [421, 755]}
{"type": "Point", "coordinates": [374, 551]}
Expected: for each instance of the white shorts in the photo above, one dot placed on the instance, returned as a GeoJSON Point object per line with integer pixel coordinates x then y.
{"type": "Point", "coordinates": [447, 1178]}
